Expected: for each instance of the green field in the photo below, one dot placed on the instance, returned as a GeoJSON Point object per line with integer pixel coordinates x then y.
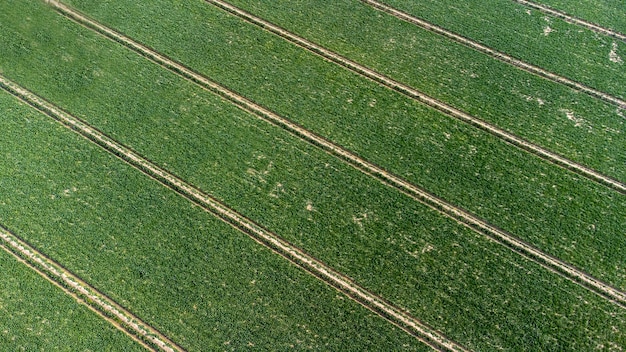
{"type": "Point", "coordinates": [527, 105]}
{"type": "Point", "coordinates": [203, 284]}
{"type": "Point", "coordinates": [37, 316]}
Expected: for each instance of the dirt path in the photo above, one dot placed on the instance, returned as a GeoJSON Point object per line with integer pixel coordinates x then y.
{"type": "Point", "coordinates": [536, 70]}
{"type": "Point", "coordinates": [376, 304]}
{"type": "Point", "coordinates": [84, 293]}
{"type": "Point", "coordinates": [554, 264]}
{"type": "Point", "coordinates": [571, 19]}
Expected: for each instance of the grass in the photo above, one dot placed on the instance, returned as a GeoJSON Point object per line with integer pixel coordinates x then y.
{"type": "Point", "coordinates": [187, 273]}
{"type": "Point", "coordinates": [37, 316]}
{"type": "Point", "coordinates": [567, 216]}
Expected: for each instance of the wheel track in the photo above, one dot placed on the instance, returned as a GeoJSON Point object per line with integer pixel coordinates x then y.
{"type": "Point", "coordinates": [467, 219]}
{"type": "Point", "coordinates": [414, 94]}
{"type": "Point", "coordinates": [295, 255]}
{"type": "Point", "coordinates": [574, 20]}
{"type": "Point", "coordinates": [77, 298]}
{"type": "Point", "coordinates": [108, 309]}
{"type": "Point", "coordinates": [536, 70]}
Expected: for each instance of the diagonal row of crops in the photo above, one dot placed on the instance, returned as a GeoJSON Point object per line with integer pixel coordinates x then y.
{"type": "Point", "coordinates": [516, 101]}
{"type": "Point", "coordinates": [230, 216]}
{"type": "Point", "coordinates": [210, 284]}
{"type": "Point", "coordinates": [357, 162]}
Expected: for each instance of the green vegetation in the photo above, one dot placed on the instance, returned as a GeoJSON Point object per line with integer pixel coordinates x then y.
{"type": "Point", "coordinates": [180, 269]}
{"type": "Point", "coordinates": [35, 315]}
{"type": "Point", "coordinates": [561, 213]}
{"type": "Point", "coordinates": [188, 274]}
{"type": "Point", "coordinates": [606, 13]}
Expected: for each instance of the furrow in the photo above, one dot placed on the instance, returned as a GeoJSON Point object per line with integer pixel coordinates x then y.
{"type": "Point", "coordinates": [425, 99]}
{"type": "Point", "coordinates": [87, 294]}
{"type": "Point", "coordinates": [389, 179]}
{"type": "Point", "coordinates": [571, 19]}
{"type": "Point", "coordinates": [376, 304]}
{"type": "Point", "coordinates": [496, 54]}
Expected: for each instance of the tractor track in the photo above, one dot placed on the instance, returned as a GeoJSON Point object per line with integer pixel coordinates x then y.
{"type": "Point", "coordinates": [522, 65]}
{"type": "Point", "coordinates": [108, 309]}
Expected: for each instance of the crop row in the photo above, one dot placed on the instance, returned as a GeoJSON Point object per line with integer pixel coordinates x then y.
{"type": "Point", "coordinates": [188, 274]}
{"type": "Point", "coordinates": [399, 87]}
{"type": "Point", "coordinates": [37, 316]}
{"type": "Point", "coordinates": [359, 163]}
{"type": "Point", "coordinates": [561, 213]}
{"type": "Point", "coordinates": [476, 291]}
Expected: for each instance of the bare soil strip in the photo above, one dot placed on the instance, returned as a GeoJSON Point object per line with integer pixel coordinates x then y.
{"type": "Point", "coordinates": [571, 19]}
{"type": "Point", "coordinates": [376, 304]}
{"type": "Point", "coordinates": [496, 54]}
{"type": "Point", "coordinates": [425, 99]}
{"type": "Point", "coordinates": [554, 264]}
{"type": "Point", "coordinates": [82, 292]}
